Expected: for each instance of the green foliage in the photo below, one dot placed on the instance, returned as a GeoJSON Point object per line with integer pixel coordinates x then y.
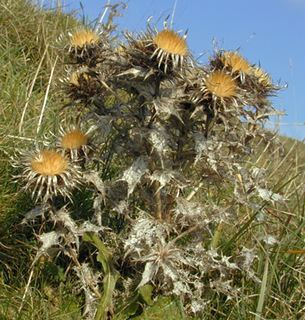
{"type": "Point", "coordinates": [164, 308]}
{"type": "Point", "coordinates": [110, 276]}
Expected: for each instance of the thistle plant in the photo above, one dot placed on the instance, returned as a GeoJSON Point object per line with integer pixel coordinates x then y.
{"type": "Point", "coordinates": [168, 168]}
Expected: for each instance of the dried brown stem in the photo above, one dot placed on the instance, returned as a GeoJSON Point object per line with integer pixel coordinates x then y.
{"type": "Point", "coordinates": [158, 202]}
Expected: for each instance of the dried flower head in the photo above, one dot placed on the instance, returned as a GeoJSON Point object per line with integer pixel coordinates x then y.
{"type": "Point", "coordinates": [169, 44]}
{"type": "Point", "coordinates": [221, 85]}
{"type": "Point", "coordinates": [86, 47]}
{"type": "Point", "coordinates": [262, 77]}
{"type": "Point", "coordinates": [235, 62]}
{"type": "Point", "coordinates": [157, 52]}
{"type": "Point", "coordinates": [75, 141]}
{"type": "Point", "coordinates": [83, 38]}
{"type": "Point", "coordinates": [48, 173]}
{"type": "Point", "coordinates": [74, 79]}
{"type": "Point", "coordinates": [82, 86]}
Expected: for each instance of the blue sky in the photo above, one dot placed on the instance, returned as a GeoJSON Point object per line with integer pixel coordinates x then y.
{"type": "Point", "coordinates": [269, 32]}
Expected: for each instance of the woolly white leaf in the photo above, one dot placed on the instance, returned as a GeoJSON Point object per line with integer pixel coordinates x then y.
{"type": "Point", "coordinates": [34, 213]}
{"type": "Point", "coordinates": [64, 217]}
{"type": "Point", "coordinates": [87, 226]}
{"type": "Point", "coordinates": [166, 107]}
{"type": "Point", "coordinates": [134, 173]}
{"type": "Point", "coordinates": [122, 207]}
{"type": "Point", "coordinates": [159, 139]}
{"type": "Point", "coordinates": [150, 270]}
{"type": "Point", "coordinates": [180, 287]}
{"type": "Point", "coordinates": [94, 178]}
{"type": "Point", "coordinates": [170, 272]}
{"type": "Point", "coordinates": [229, 264]}
{"type": "Point", "coordinates": [144, 235]}
{"type": "Point", "coordinates": [269, 195]}
{"type": "Point", "coordinates": [98, 201]}
{"type": "Point", "coordinates": [48, 239]}
{"type": "Point", "coordinates": [200, 145]}
{"type": "Point", "coordinates": [225, 287]}
{"type": "Point", "coordinates": [135, 72]}
{"type": "Point", "coordinates": [188, 208]}
{"type": "Point", "coordinates": [165, 176]}
{"type": "Point", "coordinates": [270, 240]}
{"type": "Point", "coordinates": [88, 280]}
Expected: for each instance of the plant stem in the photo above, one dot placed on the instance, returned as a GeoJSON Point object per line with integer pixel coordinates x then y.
{"type": "Point", "coordinates": [216, 236]}
{"type": "Point", "coordinates": [158, 202]}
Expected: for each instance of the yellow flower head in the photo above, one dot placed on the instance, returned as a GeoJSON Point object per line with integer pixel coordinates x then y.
{"type": "Point", "coordinates": [48, 173]}
{"type": "Point", "coordinates": [74, 139]}
{"type": "Point", "coordinates": [236, 62]}
{"type": "Point", "coordinates": [83, 38]}
{"type": "Point", "coordinates": [171, 42]}
{"type": "Point", "coordinates": [221, 85]}
{"type": "Point", "coordinates": [262, 77]}
{"type": "Point", "coordinates": [49, 163]}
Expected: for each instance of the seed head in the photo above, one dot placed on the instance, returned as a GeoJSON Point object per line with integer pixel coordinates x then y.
{"type": "Point", "coordinates": [262, 77]}
{"type": "Point", "coordinates": [83, 38]}
{"type": "Point", "coordinates": [74, 139]}
{"type": "Point", "coordinates": [171, 49]}
{"type": "Point", "coordinates": [48, 173]}
{"type": "Point", "coordinates": [221, 85]}
{"type": "Point", "coordinates": [171, 42]}
{"type": "Point", "coordinates": [74, 79]}
{"type": "Point", "coordinates": [236, 62]}
{"type": "Point", "coordinates": [49, 163]}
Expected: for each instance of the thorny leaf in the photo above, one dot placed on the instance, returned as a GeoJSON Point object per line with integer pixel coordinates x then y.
{"type": "Point", "coordinates": [164, 177]}
{"type": "Point", "coordinates": [149, 273]}
{"type": "Point", "coordinates": [269, 195]}
{"type": "Point", "coordinates": [159, 139]}
{"type": "Point", "coordinates": [34, 213]}
{"type": "Point", "coordinates": [134, 173]}
{"type": "Point", "coordinates": [225, 287]}
{"type": "Point", "coordinates": [166, 107]}
{"type": "Point", "coordinates": [134, 72]}
{"type": "Point", "coordinates": [122, 207]}
{"type": "Point", "coordinates": [93, 177]}
{"type": "Point", "coordinates": [143, 236]}
{"type": "Point", "coordinates": [48, 239]}
{"type": "Point", "coordinates": [88, 281]}
{"type": "Point", "coordinates": [97, 206]}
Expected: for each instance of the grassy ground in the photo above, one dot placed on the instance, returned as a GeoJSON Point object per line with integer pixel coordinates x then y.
{"type": "Point", "coordinates": [28, 55]}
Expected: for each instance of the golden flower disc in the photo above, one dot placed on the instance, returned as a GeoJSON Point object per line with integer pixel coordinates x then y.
{"type": "Point", "coordinates": [74, 139]}
{"type": "Point", "coordinates": [75, 76]}
{"type": "Point", "coordinates": [170, 42]}
{"type": "Point", "coordinates": [84, 37]}
{"type": "Point", "coordinates": [221, 85]}
{"type": "Point", "coordinates": [262, 76]}
{"type": "Point", "coordinates": [49, 163]}
{"type": "Point", "coordinates": [74, 79]}
{"type": "Point", "coordinates": [236, 62]}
